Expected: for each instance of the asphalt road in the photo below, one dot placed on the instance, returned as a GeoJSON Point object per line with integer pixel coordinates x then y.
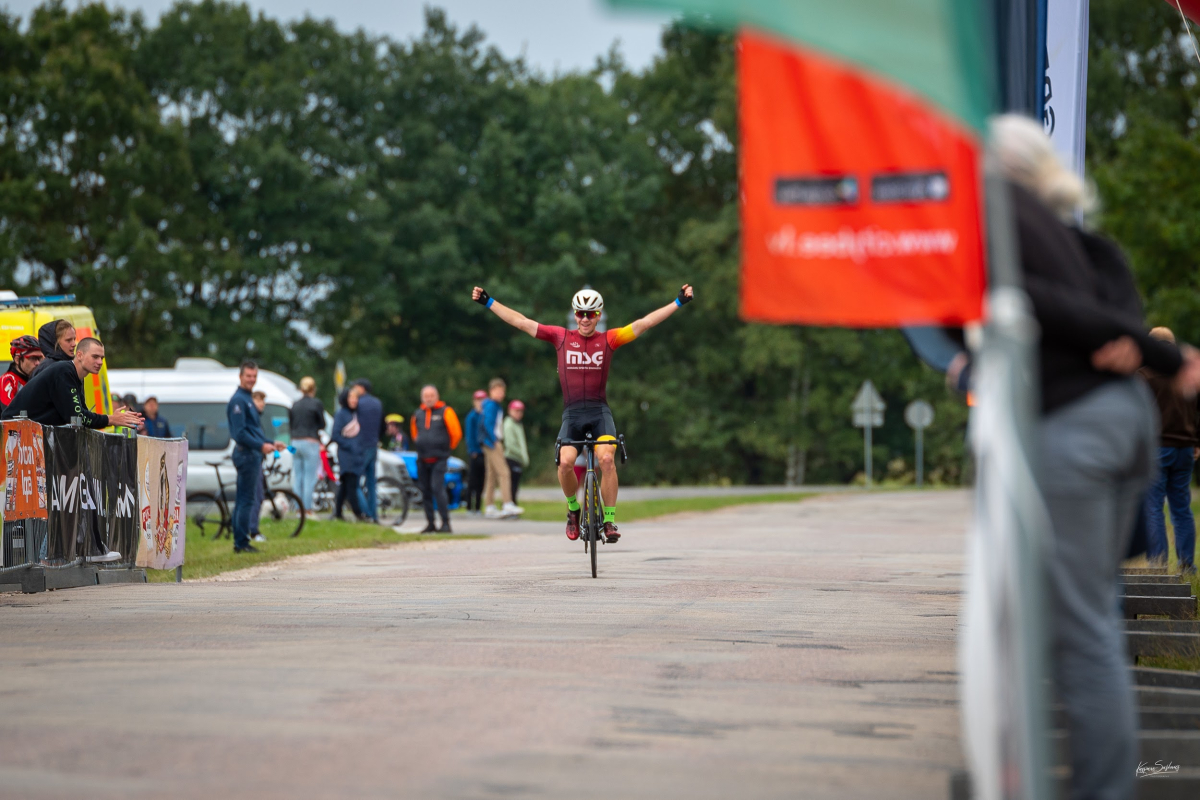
{"type": "Point", "coordinates": [801, 650]}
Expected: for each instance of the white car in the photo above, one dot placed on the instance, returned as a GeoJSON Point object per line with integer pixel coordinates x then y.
{"type": "Point", "coordinates": [192, 398]}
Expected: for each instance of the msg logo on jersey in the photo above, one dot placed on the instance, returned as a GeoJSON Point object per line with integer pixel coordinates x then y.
{"type": "Point", "coordinates": [584, 359]}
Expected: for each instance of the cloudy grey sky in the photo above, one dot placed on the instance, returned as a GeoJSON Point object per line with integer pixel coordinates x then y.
{"type": "Point", "coordinates": [555, 35]}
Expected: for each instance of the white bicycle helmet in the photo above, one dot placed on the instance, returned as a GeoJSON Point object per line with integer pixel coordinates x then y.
{"type": "Point", "coordinates": [587, 300]}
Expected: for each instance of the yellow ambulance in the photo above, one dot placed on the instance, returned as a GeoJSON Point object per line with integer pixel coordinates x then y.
{"type": "Point", "coordinates": [20, 316]}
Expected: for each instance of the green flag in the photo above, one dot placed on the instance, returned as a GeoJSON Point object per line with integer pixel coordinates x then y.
{"type": "Point", "coordinates": [935, 48]}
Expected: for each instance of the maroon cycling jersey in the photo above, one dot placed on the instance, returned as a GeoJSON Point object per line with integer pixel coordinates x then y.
{"type": "Point", "coordinates": [583, 361]}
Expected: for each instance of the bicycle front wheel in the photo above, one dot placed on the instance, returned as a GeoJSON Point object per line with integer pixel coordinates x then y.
{"type": "Point", "coordinates": [593, 514]}
{"type": "Point", "coordinates": [285, 513]}
{"type": "Point", "coordinates": [393, 500]}
{"type": "Point", "coordinates": [208, 514]}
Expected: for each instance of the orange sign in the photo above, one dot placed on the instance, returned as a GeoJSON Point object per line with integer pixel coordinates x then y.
{"type": "Point", "coordinates": [861, 206]}
{"type": "Point", "coordinates": [24, 470]}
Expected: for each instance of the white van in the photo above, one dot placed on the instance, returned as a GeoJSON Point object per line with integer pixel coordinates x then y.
{"type": "Point", "coordinates": [192, 398]}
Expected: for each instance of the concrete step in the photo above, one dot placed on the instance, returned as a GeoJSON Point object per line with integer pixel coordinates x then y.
{"type": "Point", "coordinates": [1167, 697]}
{"type": "Point", "coordinates": [106, 576]}
{"type": "Point", "coordinates": [1152, 579]}
{"type": "Point", "coordinates": [1174, 607]}
{"type": "Point", "coordinates": [1146, 643]}
{"type": "Point", "coordinates": [1157, 589]}
{"type": "Point", "coordinates": [70, 577]}
{"type": "Point", "coordinates": [1144, 571]}
{"type": "Point", "coordinates": [1163, 625]}
{"type": "Point", "coordinates": [1166, 678]}
{"type": "Point", "coordinates": [1181, 785]}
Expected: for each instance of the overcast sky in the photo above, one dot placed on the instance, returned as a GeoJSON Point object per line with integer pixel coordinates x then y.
{"type": "Point", "coordinates": [555, 35]}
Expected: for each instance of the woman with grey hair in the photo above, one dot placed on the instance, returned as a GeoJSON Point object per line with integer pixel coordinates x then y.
{"type": "Point", "coordinates": [1096, 442]}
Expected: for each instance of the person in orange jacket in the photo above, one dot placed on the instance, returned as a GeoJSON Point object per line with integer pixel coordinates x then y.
{"type": "Point", "coordinates": [435, 432]}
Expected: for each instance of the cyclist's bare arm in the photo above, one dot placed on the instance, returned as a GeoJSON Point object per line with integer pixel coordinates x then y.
{"type": "Point", "coordinates": [514, 318]}
{"type": "Point", "coordinates": [654, 317]}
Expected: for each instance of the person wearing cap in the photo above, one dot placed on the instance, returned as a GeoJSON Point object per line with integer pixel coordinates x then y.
{"type": "Point", "coordinates": [473, 432]}
{"type": "Point", "coordinates": [515, 451]}
{"type": "Point", "coordinates": [26, 355]}
{"type": "Point", "coordinates": [435, 431]}
{"type": "Point", "coordinates": [394, 435]}
{"type": "Point", "coordinates": [152, 424]}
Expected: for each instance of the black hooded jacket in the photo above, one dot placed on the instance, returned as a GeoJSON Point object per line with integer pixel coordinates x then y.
{"type": "Point", "coordinates": [49, 344]}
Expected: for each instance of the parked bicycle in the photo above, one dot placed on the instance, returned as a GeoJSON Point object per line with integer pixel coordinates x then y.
{"type": "Point", "coordinates": [281, 508]}
{"type": "Point", "coordinates": [394, 497]}
{"type": "Point", "coordinates": [591, 517]}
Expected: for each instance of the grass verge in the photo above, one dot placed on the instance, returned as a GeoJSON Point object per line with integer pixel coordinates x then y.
{"type": "Point", "coordinates": [206, 557]}
{"type": "Point", "coordinates": [631, 510]}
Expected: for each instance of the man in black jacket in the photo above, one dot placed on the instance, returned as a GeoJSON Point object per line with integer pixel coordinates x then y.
{"type": "Point", "coordinates": [435, 432]}
{"type": "Point", "coordinates": [55, 393]}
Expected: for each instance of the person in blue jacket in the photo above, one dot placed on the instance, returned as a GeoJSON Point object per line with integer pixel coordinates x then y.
{"type": "Point", "coordinates": [352, 454]}
{"type": "Point", "coordinates": [251, 444]}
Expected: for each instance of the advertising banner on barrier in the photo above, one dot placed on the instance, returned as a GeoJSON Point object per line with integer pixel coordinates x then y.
{"type": "Point", "coordinates": [76, 496]}
{"type": "Point", "coordinates": [162, 481]}
{"type": "Point", "coordinates": [24, 465]}
{"type": "Point", "coordinates": [120, 497]}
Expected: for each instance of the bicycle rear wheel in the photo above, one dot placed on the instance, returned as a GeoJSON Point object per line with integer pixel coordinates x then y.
{"type": "Point", "coordinates": [593, 512]}
{"type": "Point", "coordinates": [393, 500]}
{"type": "Point", "coordinates": [285, 512]}
{"type": "Point", "coordinates": [208, 513]}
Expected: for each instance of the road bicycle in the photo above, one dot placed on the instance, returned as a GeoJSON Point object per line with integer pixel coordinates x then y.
{"type": "Point", "coordinates": [281, 508]}
{"type": "Point", "coordinates": [591, 513]}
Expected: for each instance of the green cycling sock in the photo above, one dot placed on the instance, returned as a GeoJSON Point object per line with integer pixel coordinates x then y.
{"type": "Point", "coordinates": [610, 514]}
{"type": "Point", "coordinates": [572, 504]}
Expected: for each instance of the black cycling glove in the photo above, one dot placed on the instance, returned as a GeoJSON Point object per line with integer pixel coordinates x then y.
{"type": "Point", "coordinates": [683, 298]}
{"type": "Point", "coordinates": [484, 298]}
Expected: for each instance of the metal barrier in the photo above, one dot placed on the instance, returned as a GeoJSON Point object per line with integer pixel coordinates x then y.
{"type": "Point", "coordinates": [75, 512]}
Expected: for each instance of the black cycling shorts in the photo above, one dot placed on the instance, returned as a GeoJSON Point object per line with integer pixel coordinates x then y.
{"type": "Point", "coordinates": [582, 420]}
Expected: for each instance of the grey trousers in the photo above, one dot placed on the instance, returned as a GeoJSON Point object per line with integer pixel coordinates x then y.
{"type": "Point", "coordinates": [1097, 458]}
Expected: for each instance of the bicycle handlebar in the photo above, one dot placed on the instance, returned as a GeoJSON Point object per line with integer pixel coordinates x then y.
{"type": "Point", "coordinates": [590, 442]}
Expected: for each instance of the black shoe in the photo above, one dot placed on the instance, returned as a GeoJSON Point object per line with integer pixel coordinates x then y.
{"type": "Point", "coordinates": [247, 549]}
{"type": "Point", "coordinates": [445, 527]}
{"type": "Point", "coordinates": [430, 528]}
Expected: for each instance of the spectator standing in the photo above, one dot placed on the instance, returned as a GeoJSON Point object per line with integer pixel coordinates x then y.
{"type": "Point", "coordinates": [57, 340]}
{"type": "Point", "coordinates": [515, 451]}
{"type": "Point", "coordinates": [473, 432]}
{"type": "Point", "coordinates": [251, 444]}
{"type": "Point", "coordinates": [1173, 479]}
{"type": "Point", "coordinates": [1095, 446]}
{"type": "Point", "coordinates": [306, 421]}
{"type": "Point", "coordinates": [370, 420]}
{"type": "Point", "coordinates": [260, 403]}
{"type": "Point", "coordinates": [153, 425]}
{"type": "Point", "coordinates": [351, 460]}
{"type": "Point", "coordinates": [495, 467]}
{"type": "Point", "coordinates": [26, 355]}
{"type": "Point", "coordinates": [435, 432]}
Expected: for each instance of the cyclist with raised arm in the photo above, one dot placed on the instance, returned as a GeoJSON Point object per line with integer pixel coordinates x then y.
{"type": "Point", "coordinates": [583, 362]}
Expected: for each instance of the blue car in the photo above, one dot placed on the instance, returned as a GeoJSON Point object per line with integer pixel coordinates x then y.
{"type": "Point", "coordinates": [455, 469]}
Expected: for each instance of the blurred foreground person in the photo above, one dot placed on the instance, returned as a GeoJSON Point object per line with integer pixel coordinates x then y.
{"type": "Point", "coordinates": [435, 432]}
{"type": "Point", "coordinates": [306, 420]}
{"type": "Point", "coordinates": [1173, 479]}
{"type": "Point", "coordinates": [26, 355]}
{"type": "Point", "coordinates": [1097, 442]}
{"type": "Point", "coordinates": [516, 453]}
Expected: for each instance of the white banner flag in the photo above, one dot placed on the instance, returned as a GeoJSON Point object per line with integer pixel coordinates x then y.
{"type": "Point", "coordinates": [1065, 116]}
{"type": "Point", "coordinates": [162, 482]}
